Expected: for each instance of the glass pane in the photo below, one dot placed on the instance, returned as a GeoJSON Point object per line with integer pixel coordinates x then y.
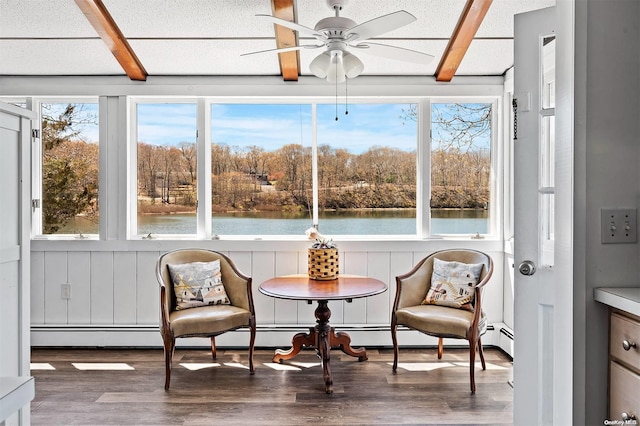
{"type": "Point", "coordinates": [261, 169]}
{"type": "Point", "coordinates": [547, 147]}
{"type": "Point", "coordinates": [460, 168]}
{"type": "Point", "coordinates": [367, 169]}
{"type": "Point", "coordinates": [548, 229]}
{"type": "Point", "coordinates": [549, 72]}
{"type": "Point", "coordinates": [70, 168]}
{"type": "Point", "coordinates": [167, 184]}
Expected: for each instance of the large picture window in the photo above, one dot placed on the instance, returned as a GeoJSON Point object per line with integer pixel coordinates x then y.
{"type": "Point", "coordinates": [460, 168]}
{"type": "Point", "coordinates": [277, 169]}
{"type": "Point", "coordinates": [167, 168]}
{"type": "Point", "coordinates": [367, 170]}
{"type": "Point", "coordinates": [261, 177]}
{"type": "Point", "coordinates": [69, 168]}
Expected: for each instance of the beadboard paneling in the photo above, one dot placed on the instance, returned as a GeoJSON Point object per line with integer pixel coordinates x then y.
{"type": "Point", "coordinates": [79, 277]}
{"type": "Point", "coordinates": [114, 295]}
{"type": "Point", "coordinates": [125, 295]}
{"type": "Point", "coordinates": [102, 288]}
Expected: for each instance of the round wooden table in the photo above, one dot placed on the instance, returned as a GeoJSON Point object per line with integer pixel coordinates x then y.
{"type": "Point", "coordinates": [323, 337]}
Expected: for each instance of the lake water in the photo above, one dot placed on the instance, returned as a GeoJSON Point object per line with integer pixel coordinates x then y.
{"type": "Point", "coordinates": [369, 222]}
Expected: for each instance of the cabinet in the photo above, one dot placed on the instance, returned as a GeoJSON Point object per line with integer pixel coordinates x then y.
{"type": "Point", "coordinates": [624, 366]}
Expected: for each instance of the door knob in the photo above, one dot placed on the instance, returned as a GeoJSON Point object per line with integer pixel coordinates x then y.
{"type": "Point", "coordinates": [527, 267]}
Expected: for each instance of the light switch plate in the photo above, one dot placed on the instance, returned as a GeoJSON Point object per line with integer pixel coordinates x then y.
{"type": "Point", "coordinates": [618, 226]}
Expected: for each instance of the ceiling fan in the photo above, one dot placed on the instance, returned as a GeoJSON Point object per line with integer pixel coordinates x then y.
{"type": "Point", "coordinates": [341, 37]}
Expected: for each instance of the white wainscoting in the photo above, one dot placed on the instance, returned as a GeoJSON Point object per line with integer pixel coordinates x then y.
{"type": "Point", "coordinates": [115, 296]}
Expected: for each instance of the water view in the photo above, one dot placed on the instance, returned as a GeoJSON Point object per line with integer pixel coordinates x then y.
{"type": "Point", "coordinates": [367, 222]}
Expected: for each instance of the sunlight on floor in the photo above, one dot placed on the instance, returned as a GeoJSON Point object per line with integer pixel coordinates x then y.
{"type": "Point", "coordinates": [281, 367]}
{"type": "Point", "coordinates": [102, 366]}
{"type": "Point", "coordinates": [194, 366]}
{"type": "Point", "coordinates": [41, 366]}
{"type": "Point", "coordinates": [292, 366]}
{"type": "Point", "coordinates": [236, 364]}
{"type": "Point", "coordinates": [429, 366]}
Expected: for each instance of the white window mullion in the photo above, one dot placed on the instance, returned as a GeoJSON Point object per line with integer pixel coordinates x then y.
{"type": "Point", "coordinates": [203, 142]}
{"type": "Point", "coordinates": [314, 163]}
{"type": "Point", "coordinates": [132, 164]}
{"type": "Point", "coordinates": [36, 164]}
{"type": "Point", "coordinates": [423, 186]}
{"type": "Point", "coordinates": [113, 152]}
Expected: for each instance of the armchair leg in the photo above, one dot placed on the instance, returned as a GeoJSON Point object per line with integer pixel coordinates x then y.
{"type": "Point", "coordinates": [472, 364]}
{"type": "Point", "coordinates": [440, 347]}
{"type": "Point", "coordinates": [394, 339]}
{"type": "Point", "coordinates": [213, 347]}
{"type": "Point", "coordinates": [169, 347]}
{"type": "Point", "coordinates": [252, 340]}
{"type": "Point", "coordinates": [484, 365]}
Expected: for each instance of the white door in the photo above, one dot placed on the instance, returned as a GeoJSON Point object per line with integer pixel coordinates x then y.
{"type": "Point", "coordinates": [536, 173]}
{"type": "Point", "coordinates": [15, 139]}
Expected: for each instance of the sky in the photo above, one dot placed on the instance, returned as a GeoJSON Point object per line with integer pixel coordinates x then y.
{"type": "Point", "coordinates": [274, 125]}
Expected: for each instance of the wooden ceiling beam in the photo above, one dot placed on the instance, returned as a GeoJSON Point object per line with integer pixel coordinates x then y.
{"type": "Point", "coordinates": [470, 19]}
{"type": "Point", "coordinates": [286, 37]}
{"type": "Point", "coordinates": [98, 15]}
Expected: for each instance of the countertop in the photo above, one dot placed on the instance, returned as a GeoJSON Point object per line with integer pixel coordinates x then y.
{"type": "Point", "coordinates": [624, 298]}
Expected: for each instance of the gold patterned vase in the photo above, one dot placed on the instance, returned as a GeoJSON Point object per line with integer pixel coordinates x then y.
{"type": "Point", "coordinates": [323, 263]}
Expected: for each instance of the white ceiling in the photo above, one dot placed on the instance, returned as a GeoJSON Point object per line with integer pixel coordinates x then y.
{"type": "Point", "coordinates": [207, 37]}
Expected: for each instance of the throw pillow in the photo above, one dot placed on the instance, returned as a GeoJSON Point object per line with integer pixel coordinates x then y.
{"type": "Point", "coordinates": [198, 284]}
{"type": "Point", "coordinates": [453, 284]}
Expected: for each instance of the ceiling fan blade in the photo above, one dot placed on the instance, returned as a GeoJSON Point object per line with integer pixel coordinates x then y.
{"type": "Point", "coordinates": [285, 49]}
{"type": "Point", "coordinates": [294, 26]}
{"type": "Point", "coordinates": [380, 25]}
{"type": "Point", "coordinates": [394, 52]}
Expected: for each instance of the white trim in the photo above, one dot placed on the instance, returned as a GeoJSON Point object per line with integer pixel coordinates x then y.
{"type": "Point", "coordinates": [267, 336]}
{"type": "Point", "coordinates": [246, 86]}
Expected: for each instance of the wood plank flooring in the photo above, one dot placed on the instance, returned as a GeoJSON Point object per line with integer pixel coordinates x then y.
{"type": "Point", "coordinates": [222, 392]}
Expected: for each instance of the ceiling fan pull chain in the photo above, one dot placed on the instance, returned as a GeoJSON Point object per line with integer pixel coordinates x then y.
{"type": "Point", "coordinates": [514, 104]}
{"type": "Point", "coordinates": [346, 97]}
{"type": "Point", "coordinates": [336, 93]}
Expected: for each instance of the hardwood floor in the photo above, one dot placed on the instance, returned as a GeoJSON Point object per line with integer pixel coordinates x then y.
{"type": "Point", "coordinates": [423, 391]}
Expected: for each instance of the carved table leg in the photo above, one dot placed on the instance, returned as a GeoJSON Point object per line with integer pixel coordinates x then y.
{"type": "Point", "coordinates": [323, 337]}
{"type": "Point", "coordinates": [323, 332]}
{"type": "Point", "coordinates": [299, 341]}
{"type": "Point", "coordinates": [343, 341]}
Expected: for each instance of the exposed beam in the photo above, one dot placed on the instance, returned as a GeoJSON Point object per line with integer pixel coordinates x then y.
{"type": "Point", "coordinates": [101, 19]}
{"type": "Point", "coordinates": [468, 24]}
{"type": "Point", "coordinates": [285, 37]}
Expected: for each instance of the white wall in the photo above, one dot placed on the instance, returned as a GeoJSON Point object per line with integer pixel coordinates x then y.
{"type": "Point", "coordinates": [115, 295]}
{"type": "Point", "coordinates": [607, 155]}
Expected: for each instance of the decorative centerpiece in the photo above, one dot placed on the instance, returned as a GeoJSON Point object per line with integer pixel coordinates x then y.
{"type": "Point", "coordinates": [323, 257]}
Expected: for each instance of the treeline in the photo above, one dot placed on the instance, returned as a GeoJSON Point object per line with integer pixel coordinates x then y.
{"type": "Point", "coordinates": [255, 179]}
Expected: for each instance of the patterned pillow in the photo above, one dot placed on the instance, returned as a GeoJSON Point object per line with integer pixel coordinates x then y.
{"type": "Point", "coordinates": [198, 284]}
{"type": "Point", "coordinates": [453, 284]}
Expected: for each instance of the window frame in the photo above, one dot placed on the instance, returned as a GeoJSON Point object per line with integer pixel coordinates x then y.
{"type": "Point", "coordinates": [423, 158]}
{"type": "Point", "coordinates": [35, 104]}
{"type": "Point", "coordinates": [203, 118]}
{"type": "Point", "coordinates": [496, 173]}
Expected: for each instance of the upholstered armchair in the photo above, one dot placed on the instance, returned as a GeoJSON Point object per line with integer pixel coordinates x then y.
{"type": "Point", "coordinates": [223, 308]}
{"type": "Point", "coordinates": [432, 312]}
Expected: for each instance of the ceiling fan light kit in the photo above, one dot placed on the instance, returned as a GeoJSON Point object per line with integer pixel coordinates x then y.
{"type": "Point", "coordinates": [340, 36]}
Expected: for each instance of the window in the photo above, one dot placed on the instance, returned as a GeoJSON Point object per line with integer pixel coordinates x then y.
{"type": "Point", "coordinates": [277, 168]}
{"type": "Point", "coordinates": [261, 181]}
{"type": "Point", "coordinates": [167, 168]}
{"type": "Point", "coordinates": [367, 170]}
{"type": "Point", "coordinates": [460, 168]}
{"type": "Point", "coordinates": [68, 182]}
